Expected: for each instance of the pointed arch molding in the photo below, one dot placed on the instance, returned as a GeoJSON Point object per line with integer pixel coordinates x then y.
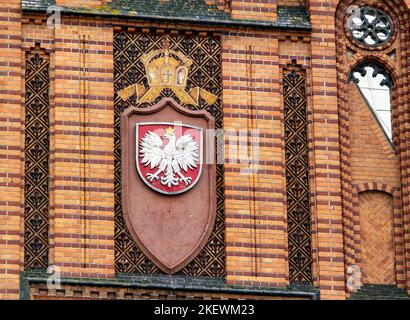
{"type": "Point", "coordinates": [393, 57]}
{"type": "Point", "coordinates": [378, 69]}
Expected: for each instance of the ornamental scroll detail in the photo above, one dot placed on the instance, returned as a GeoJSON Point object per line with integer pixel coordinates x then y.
{"type": "Point", "coordinates": [297, 176]}
{"type": "Point", "coordinates": [37, 153]}
{"type": "Point", "coordinates": [135, 55]}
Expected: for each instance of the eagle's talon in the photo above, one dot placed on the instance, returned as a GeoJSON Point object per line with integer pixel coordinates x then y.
{"type": "Point", "coordinates": [187, 180]}
{"type": "Point", "coordinates": [151, 176]}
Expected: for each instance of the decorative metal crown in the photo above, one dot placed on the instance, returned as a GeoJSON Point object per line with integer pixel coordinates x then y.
{"type": "Point", "coordinates": [166, 67]}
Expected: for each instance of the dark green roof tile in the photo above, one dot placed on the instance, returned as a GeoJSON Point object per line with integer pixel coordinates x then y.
{"type": "Point", "coordinates": [192, 11]}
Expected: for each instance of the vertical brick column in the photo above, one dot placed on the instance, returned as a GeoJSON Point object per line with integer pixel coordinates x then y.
{"type": "Point", "coordinates": [404, 125]}
{"type": "Point", "coordinates": [254, 9]}
{"type": "Point", "coordinates": [255, 197]}
{"type": "Point", "coordinates": [11, 237]}
{"type": "Point", "coordinates": [84, 148]}
{"type": "Point", "coordinates": [329, 251]}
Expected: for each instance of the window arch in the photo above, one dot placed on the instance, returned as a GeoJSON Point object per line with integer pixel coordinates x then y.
{"type": "Point", "coordinates": [376, 84]}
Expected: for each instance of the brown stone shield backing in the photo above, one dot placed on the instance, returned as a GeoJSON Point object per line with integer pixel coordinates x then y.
{"type": "Point", "coordinates": [189, 216]}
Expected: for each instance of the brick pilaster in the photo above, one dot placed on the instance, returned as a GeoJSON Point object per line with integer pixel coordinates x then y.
{"type": "Point", "coordinates": [84, 149]}
{"type": "Point", "coordinates": [327, 152]}
{"type": "Point", "coordinates": [11, 212]}
{"type": "Point", "coordinates": [255, 203]}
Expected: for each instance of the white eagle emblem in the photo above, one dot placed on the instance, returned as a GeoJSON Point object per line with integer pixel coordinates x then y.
{"type": "Point", "coordinates": [176, 156]}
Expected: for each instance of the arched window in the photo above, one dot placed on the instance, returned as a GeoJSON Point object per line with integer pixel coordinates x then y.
{"type": "Point", "coordinates": [375, 83]}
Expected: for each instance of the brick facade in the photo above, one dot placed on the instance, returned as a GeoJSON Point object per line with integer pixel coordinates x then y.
{"type": "Point", "coordinates": [10, 150]}
{"type": "Point", "coordinates": [350, 160]}
{"type": "Point", "coordinates": [254, 9]}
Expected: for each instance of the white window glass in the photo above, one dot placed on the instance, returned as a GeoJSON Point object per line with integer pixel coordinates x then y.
{"type": "Point", "coordinates": [378, 97]}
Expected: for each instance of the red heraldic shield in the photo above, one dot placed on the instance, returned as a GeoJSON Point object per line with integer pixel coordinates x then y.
{"type": "Point", "coordinates": [168, 186]}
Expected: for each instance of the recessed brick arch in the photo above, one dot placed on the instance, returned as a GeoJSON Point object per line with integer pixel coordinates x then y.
{"type": "Point", "coordinates": [376, 186]}
{"type": "Point", "coordinates": [394, 192]}
{"type": "Point", "coordinates": [393, 57]}
{"type": "Point", "coordinates": [375, 245]}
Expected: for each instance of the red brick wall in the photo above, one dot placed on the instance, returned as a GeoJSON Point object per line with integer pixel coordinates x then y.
{"type": "Point", "coordinates": [292, 3]}
{"type": "Point", "coordinates": [254, 9]}
{"type": "Point", "coordinates": [329, 228]}
{"type": "Point", "coordinates": [254, 206]}
{"type": "Point", "coordinates": [372, 157]}
{"type": "Point", "coordinates": [376, 238]}
{"type": "Point", "coordinates": [396, 167]}
{"type": "Point", "coordinates": [81, 112]}
{"type": "Point", "coordinates": [81, 159]}
{"type": "Point", "coordinates": [373, 163]}
{"type": "Point", "coordinates": [11, 213]}
{"type": "Point", "coordinates": [84, 154]}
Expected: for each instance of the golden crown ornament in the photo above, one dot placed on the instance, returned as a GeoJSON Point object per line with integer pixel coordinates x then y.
{"type": "Point", "coordinates": [170, 131]}
{"type": "Point", "coordinates": [167, 69]}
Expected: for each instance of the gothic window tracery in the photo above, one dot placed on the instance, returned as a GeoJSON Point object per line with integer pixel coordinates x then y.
{"type": "Point", "coordinates": [370, 27]}
{"type": "Point", "coordinates": [375, 83]}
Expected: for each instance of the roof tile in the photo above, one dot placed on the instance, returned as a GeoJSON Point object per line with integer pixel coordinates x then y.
{"type": "Point", "coordinates": [196, 11]}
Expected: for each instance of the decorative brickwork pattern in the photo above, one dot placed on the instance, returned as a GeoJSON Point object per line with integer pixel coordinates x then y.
{"type": "Point", "coordinates": [297, 176]}
{"type": "Point", "coordinates": [37, 153]}
{"type": "Point", "coordinates": [348, 154]}
{"type": "Point", "coordinates": [374, 166]}
{"type": "Point", "coordinates": [205, 73]}
{"type": "Point", "coordinates": [377, 244]}
{"type": "Point", "coordinates": [362, 153]}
